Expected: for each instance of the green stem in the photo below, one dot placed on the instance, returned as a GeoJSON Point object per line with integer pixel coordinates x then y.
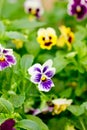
{"type": "Point", "coordinates": [1, 6]}
{"type": "Point", "coordinates": [82, 124]}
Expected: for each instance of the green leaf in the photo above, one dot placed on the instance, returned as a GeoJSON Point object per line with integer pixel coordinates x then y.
{"type": "Point", "coordinates": [26, 61]}
{"type": "Point", "coordinates": [84, 105]}
{"type": "Point", "coordinates": [38, 121]}
{"type": "Point", "coordinates": [76, 110]}
{"type": "Point", "coordinates": [17, 100]}
{"type": "Point", "coordinates": [71, 55]}
{"type": "Point", "coordinates": [32, 47]}
{"type": "Point", "coordinates": [26, 24]}
{"type": "Point", "coordinates": [28, 125]}
{"type": "Point", "coordinates": [15, 35]}
{"type": "Point", "coordinates": [66, 93]}
{"type": "Point", "coordinates": [83, 61]}
{"type": "Point", "coordinates": [2, 28]}
{"type": "Point", "coordinates": [60, 62]}
{"type": "Point", "coordinates": [80, 34]}
{"type": "Point", "coordinates": [80, 48]}
{"type": "Point", "coordinates": [5, 106]}
{"type": "Point", "coordinates": [58, 123]}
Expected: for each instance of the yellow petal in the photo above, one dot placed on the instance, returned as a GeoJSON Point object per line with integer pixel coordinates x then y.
{"type": "Point", "coordinates": [18, 43]}
{"type": "Point", "coordinates": [61, 41]}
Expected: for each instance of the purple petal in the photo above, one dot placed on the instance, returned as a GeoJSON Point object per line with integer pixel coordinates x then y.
{"type": "Point", "coordinates": [3, 64]}
{"type": "Point", "coordinates": [45, 68]}
{"type": "Point", "coordinates": [73, 10]}
{"type": "Point", "coordinates": [10, 59]}
{"type": "Point", "coordinates": [46, 85]}
{"type": "Point", "coordinates": [36, 78]}
{"type": "Point", "coordinates": [83, 12]}
{"type": "Point", "coordinates": [86, 1]}
{"type": "Point", "coordinates": [5, 51]}
{"type": "Point", "coordinates": [47, 64]}
{"type": "Point", "coordinates": [8, 125]}
{"type": "Point", "coordinates": [37, 69]}
{"type": "Point", "coordinates": [77, 1]}
{"type": "Point", "coordinates": [49, 73]}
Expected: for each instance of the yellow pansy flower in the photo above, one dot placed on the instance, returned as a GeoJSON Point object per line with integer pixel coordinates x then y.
{"type": "Point", "coordinates": [60, 105]}
{"type": "Point", "coordinates": [18, 43]}
{"type": "Point", "coordinates": [46, 38]}
{"type": "Point", "coordinates": [66, 37]}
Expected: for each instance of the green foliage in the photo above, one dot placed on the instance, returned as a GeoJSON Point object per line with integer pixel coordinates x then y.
{"type": "Point", "coordinates": [5, 106]}
{"type": "Point", "coordinates": [2, 29]}
{"type": "Point", "coordinates": [28, 125]}
{"type": "Point", "coordinates": [38, 121]}
{"type": "Point", "coordinates": [19, 98]}
{"type": "Point", "coordinates": [26, 61]}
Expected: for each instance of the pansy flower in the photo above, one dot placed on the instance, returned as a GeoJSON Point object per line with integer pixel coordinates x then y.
{"type": "Point", "coordinates": [60, 105]}
{"type": "Point", "coordinates": [77, 8]}
{"type": "Point", "coordinates": [46, 38]}
{"type": "Point", "coordinates": [55, 106]}
{"type": "Point", "coordinates": [42, 74]}
{"type": "Point", "coordinates": [34, 8]}
{"type": "Point", "coordinates": [7, 58]}
{"type": "Point", "coordinates": [8, 125]}
{"type": "Point", "coordinates": [66, 37]}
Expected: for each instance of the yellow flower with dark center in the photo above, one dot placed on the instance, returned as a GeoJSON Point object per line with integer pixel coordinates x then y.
{"type": "Point", "coordinates": [47, 38]}
{"type": "Point", "coordinates": [60, 105]}
{"type": "Point", "coordinates": [18, 43]}
{"type": "Point", "coordinates": [66, 37]}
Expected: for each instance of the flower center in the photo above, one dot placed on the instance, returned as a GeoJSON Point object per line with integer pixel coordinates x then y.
{"type": "Point", "coordinates": [78, 9]}
{"type": "Point", "coordinates": [2, 57]}
{"type": "Point", "coordinates": [33, 11]}
{"type": "Point", "coordinates": [43, 78]}
{"type": "Point", "coordinates": [70, 39]}
{"type": "Point", "coordinates": [48, 43]}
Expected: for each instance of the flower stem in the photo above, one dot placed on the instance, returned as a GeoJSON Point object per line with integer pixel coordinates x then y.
{"type": "Point", "coordinates": [82, 124]}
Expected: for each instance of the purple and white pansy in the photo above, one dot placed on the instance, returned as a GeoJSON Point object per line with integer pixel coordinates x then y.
{"type": "Point", "coordinates": [42, 74]}
{"type": "Point", "coordinates": [78, 8]}
{"type": "Point", "coordinates": [7, 58]}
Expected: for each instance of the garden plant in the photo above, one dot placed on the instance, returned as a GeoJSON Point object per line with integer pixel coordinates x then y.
{"type": "Point", "coordinates": [43, 64]}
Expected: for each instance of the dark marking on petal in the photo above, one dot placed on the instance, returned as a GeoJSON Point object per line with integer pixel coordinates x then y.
{"type": "Point", "coordinates": [48, 43]}
{"type": "Point", "coordinates": [70, 39]}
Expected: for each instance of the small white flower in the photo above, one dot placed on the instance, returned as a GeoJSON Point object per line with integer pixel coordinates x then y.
{"type": "Point", "coordinates": [34, 7]}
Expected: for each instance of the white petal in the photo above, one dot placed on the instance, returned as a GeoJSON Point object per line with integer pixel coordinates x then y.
{"type": "Point", "coordinates": [32, 70]}
{"type": "Point", "coordinates": [41, 31]}
{"type": "Point", "coordinates": [48, 63]}
{"type": "Point", "coordinates": [62, 101]}
{"type": "Point", "coordinates": [33, 4]}
{"type": "Point", "coordinates": [51, 31]}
